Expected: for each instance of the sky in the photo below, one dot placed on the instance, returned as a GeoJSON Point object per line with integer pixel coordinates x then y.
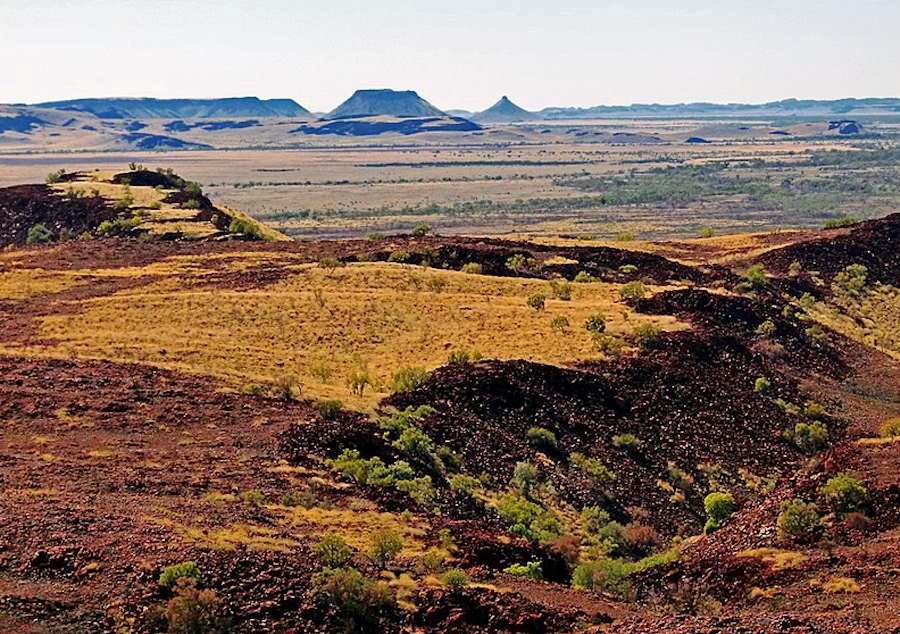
{"type": "Point", "coordinates": [457, 54]}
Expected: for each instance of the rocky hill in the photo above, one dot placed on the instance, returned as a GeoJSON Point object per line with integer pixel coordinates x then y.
{"type": "Point", "coordinates": [406, 103]}
{"type": "Point", "coordinates": [504, 111]}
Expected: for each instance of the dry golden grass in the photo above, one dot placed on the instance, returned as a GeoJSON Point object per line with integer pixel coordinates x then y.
{"type": "Point", "coordinates": [321, 326]}
{"type": "Point", "coordinates": [873, 318]}
{"type": "Point", "coordinates": [158, 217]}
{"type": "Point", "coordinates": [356, 526]}
{"type": "Point", "coordinates": [24, 283]}
{"type": "Point", "coordinates": [778, 559]}
{"type": "Point", "coordinates": [229, 537]}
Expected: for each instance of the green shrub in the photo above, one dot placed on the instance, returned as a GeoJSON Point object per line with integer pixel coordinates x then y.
{"type": "Point", "coordinates": [118, 227]}
{"type": "Point", "coordinates": [719, 506]}
{"type": "Point", "coordinates": [528, 519]}
{"type": "Point", "coordinates": [814, 410]}
{"type": "Point", "coordinates": [561, 289]}
{"type": "Point", "coordinates": [593, 519]}
{"type": "Point", "coordinates": [559, 323]}
{"type": "Point", "coordinates": [517, 263]}
{"type": "Point", "coordinates": [583, 277]}
{"type": "Point", "coordinates": [525, 477]}
{"type": "Point", "coordinates": [358, 379]}
{"type": "Point", "coordinates": [421, 230]}
{"type": "Point", "coordinates": [756, 276]}
{"type": "Point", "coordinates": [171, 574]}
{"type": "Point", "coordinates": [810, 437]}
{"type": "Point", "coordinates": [333, 551]}
{"type": "Point", "coordinates": [762, 384]}
{"type": "Point", "coordinates": [627, 441]}
{"type": "Point", "coordinates": [247, 228]}
{"type": "Point", "coordinates": [711, 526]}
{"type": "Point", "coordinates": [331, 264]}
{"type": "Point", "coordinates": [632, 291]}
{"type": "Point", "coordinates": [537, 301]}
{"type": "Point", "coordinates": [455, 579]}
{"type": "Point", "coordinates": [766, 329]}
{"type": "Point", "coordinates": [625, 236]}
{"type": "Point", "coordinates": [852, 280]}
{"type": "Point", "coordinates": [464, 483]}
{"type": "Point", "coordinates": [706, 232]}
{"type": "Point", "coordinates": [646, 334]}
{"type": "Point", "coordinates": [844, 493]}
{"type": "Point", "coordinates": [541, 437]}
{"type": "Point", "coordinates": [591, 466]}
{"type": "Point", "coordinates": [890, 428]}
{"type": "Point", "coordinates": [384, 546]}
{"type": "Point", "coordinates": [798, 520]}
{"type": "Point", "coordinates": [406, 379]}
{"type": "Point", "coordinates": [595, 324]}
{"type": "Point", "coordinates": [357, 597]}
{"type": "Point", "coordinates": [606, 575]}
{"type": "Point", "coordinates": [628, 269]}
{"type": "Point", "coordinates": [795, 268]}
{"type": "Point", "coordinates": [38, 234]}
{"type": "Point", "coordinates": [420, 490]}
{"type": "Point", "coordinates": [192, 611]}
{"type": "Point", "coordinates": [472, 268]}
{"type": "Point", "coordinates": [464, 356]}
{"type": "Point", "coordinates": [400, 256]}
{"type": "Point", "coordinates": [840, 222]}
{"type": "Point", "coordinates": [415, 443]}
{"type": "Point", "coordinates": [609, 345]}
{"type": "Point", "coordinates": [55, 177]}
{"type": "Point", "coordinates": [330, 409]}
{"type": "Point", "coordinates": [531, 570]}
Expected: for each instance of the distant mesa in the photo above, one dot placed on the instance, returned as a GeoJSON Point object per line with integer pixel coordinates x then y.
{"type": "Point", "coordinates": [148, 108]}
{"type": "Point", "coordinates": [396, 103]}
{"type": "Point", "coordinates": [697, 139]}
{"type": "Point", "coordinates": [504, 111]}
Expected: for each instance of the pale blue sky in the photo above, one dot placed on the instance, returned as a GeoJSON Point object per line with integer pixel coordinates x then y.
{"type": "Point", "coordinates": [460, 54]}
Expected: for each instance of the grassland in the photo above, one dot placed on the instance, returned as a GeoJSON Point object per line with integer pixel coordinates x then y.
{"type": "Point", "coordinates": [579, 179]}
{"type": "Point", "coordinates": [318, 326]}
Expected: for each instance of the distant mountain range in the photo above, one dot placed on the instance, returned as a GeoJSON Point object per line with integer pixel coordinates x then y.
{"type": "Point", "coordinates": [148, 108]}
{"type": "Point", "coordinates": [397, 103]}
{"type": "Point", "coordinates": [785, 107]}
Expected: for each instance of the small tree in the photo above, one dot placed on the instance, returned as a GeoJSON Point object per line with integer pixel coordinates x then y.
{"type": "Point", "coordinates": [38, 234]}
{"type": "Point", "coordinates": [632, 291]}
{"type": "Point", "coordinates": [385, 545]}
{"type": "Point", "coordinates": [845, 493]}
{"type": "Point", "coordinates": [171, 574]}
{"type": "Point", "coordinates": [756, 276]}
{"type": "Point", "coordinates": [719, 506]}
{"type": "Point", "coordinates": [525, 477]}
{"type": "Point", "coordinates": [541, 437]}
{"type": "Point", "coordinates": [333, 551]}
{"type": "Point", "coordinates": [537, 301]}
{"type": "Point", "coordinates": [798, 520]}
{"type": "Point", "coordinates": [595, 324]}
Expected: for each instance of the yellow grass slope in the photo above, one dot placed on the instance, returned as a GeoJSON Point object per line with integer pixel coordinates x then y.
{"type": "Point", "coordinates": [319, 326]}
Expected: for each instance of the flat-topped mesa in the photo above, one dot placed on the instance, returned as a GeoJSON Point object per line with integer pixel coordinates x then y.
{"type": "Point", "coordinates": [149, 108]}
{"type": "Point", "coordinates": [397, 103]}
